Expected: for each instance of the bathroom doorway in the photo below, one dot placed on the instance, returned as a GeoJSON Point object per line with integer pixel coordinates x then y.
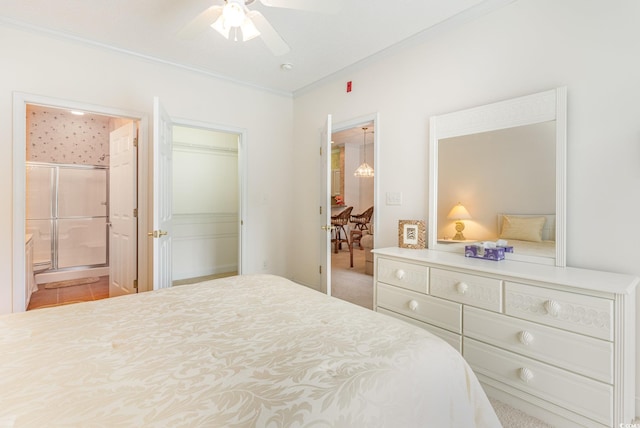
{"type": "Point", "coordinates": [80, 205]}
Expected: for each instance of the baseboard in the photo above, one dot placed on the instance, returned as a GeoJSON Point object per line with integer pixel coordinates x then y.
{"type": "Point", "coordinates": [177, 276]}
{"type": "Point", "coordinates": [43, 278]}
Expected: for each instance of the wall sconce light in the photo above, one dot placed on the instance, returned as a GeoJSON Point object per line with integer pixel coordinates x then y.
{"type": "Point", "coordinates": [459, 213]}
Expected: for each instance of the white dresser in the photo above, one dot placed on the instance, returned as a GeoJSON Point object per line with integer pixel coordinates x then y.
{"type": "Point", "coordinates": [558, 343]}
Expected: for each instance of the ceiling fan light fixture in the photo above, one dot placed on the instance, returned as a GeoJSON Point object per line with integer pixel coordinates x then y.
{"type": "Point", "coordinates": [233, 13]}
{"type": "Point", "coordinates": [249, 30]}
{"type": "Point", "coordinates": [221, 28]}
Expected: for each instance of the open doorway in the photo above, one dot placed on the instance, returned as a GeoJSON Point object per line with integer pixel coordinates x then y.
{"type": "Point", "coordinates": [353, 210]}
{"type": "Point", "coordinates": [80, 205]}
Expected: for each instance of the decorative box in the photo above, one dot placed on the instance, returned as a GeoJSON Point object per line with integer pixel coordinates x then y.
{"type": "Point", "coordinates": [480, 252]}
{"type": "Point", "coordinates": [507, 249]}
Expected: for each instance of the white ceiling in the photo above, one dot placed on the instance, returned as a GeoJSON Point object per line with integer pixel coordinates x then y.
{"type": "Point", "coordinates": [321, 44]}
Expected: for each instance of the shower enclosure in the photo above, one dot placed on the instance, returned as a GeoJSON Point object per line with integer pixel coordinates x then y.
{"type": "Point", "coordinates": [67, 216]}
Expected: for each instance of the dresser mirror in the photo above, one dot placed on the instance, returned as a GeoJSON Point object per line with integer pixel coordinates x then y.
{"type": "Point", "coordinates": [505, 164]}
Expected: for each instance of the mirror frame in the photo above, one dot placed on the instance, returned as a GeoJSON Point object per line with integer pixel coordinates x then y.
{"type": "Point", "coordinates": [527, 110]}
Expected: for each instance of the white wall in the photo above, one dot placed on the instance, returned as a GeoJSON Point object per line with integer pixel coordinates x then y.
{"type": "Point", "coordinates": [526, 47]}
{"type": "Point", "coordinates": [58, 68]}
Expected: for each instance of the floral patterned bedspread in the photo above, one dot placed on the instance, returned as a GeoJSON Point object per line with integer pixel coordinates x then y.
{"type": "Point", "coordinates": [245, 351]}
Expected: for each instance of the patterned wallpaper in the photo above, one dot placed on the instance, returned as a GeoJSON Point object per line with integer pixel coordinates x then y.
{"type": "Point", "coordinates": [57, 136]}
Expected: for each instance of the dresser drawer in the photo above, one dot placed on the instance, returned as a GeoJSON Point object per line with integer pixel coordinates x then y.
{"type": "Point", "coordinates": [577, 353]}
{"type": "Point", "coordinates": [579, 313]}
{"type": "Point", "coordinates": [581, 395]}
{"type": "Point", "coordinates": [468, 289]}
{"type": "Point", "coordinates": [406, 275]}
{"type": "Point", "coordinates": [452, 339]}
{"type": "Point", "coordinates": [441, 313]}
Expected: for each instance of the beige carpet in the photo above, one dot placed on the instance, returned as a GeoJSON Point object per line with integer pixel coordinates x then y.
{"type": "Point", "coordinates": [71, 282]}
{"type": "Point", "coordinates": [351, 284]}
{"type": "Point", "coordinates": [514, 418]}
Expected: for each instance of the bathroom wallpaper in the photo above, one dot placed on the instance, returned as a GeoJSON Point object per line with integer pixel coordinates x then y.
{"type": "Point", "coordinates": [58, 136]}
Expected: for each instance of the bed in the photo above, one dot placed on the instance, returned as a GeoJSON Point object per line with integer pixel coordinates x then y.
{"type": "Point", "coordinates": [243, 351]}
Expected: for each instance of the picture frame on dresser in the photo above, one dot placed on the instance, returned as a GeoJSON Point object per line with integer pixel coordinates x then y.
{"type": "Point", "coordinates": [412, 234]}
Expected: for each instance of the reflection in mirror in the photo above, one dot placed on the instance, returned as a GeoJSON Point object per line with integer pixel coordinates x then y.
{"type": "Point", "coordinates": [505, 164]}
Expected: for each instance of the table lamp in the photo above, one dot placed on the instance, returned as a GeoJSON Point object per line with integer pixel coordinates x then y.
{"type": "Point", "coordinates": [459, 213]}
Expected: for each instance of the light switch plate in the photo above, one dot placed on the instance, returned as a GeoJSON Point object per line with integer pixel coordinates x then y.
{"type": "Point", "coordinates": [394, 198]}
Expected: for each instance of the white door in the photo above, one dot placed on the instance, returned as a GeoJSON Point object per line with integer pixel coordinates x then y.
{"type": "Point", "coordinates": [122, 205]}
{"type": "Point", "coordinates": [162, 196]}
{"type": "Point", "coordinates": [325, 208]}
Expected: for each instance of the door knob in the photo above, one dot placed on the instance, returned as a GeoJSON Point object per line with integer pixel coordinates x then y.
{"type": "Point", "coordinates": [327, 227]}
{"type": "Point", "coordinates": [157, 233]}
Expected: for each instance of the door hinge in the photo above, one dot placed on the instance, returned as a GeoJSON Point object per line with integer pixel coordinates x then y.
{"type": "Point", "coordinates": [135, 142]}
{"type": "Point", "coordinates": [320, 150]}
{"type": "Point", "coordinates": [320, 209]}
{"type": "Point", "coordinates": [135, 284]}
{"type": "Point", "coordinates": [135, 212]}
{"type": "Point", "coordinates": [320, 269]}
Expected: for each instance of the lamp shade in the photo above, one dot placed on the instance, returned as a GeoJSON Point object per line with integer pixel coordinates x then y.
{"type": "Point", "coordinates": [459, 212]}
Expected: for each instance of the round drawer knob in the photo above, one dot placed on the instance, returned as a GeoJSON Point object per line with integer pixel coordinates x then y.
{"type": "Point", "coordinates": [525, 374]}
{"type": "Point", "coordinates": [525, 337]}
{"type": "Point", "coordinates": [552, 307]}
{"type": "Point", "coordinates": [400, 274]}
{"type": "Point", "coordinates": [413, 305]}
{"type": "Point", "coordinates": [462, 288]}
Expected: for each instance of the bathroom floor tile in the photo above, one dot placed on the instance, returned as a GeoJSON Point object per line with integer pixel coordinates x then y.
{"type": "Point", "coordinates": [62, 296]}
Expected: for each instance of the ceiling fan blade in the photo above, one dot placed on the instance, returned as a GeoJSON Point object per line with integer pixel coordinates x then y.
{"type": "Point", "coordinates": [200, 23]}
{"type": "Point", "coordinates": [324, 6]}
{"type": "Point", "coordinates": [269, 35]}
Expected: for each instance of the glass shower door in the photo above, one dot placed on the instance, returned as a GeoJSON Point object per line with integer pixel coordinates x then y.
{"type": "Point", "coordinates": [82, 217]}
{"type": "Point", "coordinates": [67, 215]}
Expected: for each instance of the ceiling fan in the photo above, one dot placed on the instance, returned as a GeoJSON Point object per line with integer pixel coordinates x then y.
{"type": "Point", "coordinates": [234, 16]}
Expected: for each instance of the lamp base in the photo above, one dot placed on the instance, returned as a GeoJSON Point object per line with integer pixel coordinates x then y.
{"type": "Point", "coordinates": [459, 228]}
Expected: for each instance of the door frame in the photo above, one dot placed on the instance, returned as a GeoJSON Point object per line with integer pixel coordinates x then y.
{"type": "Point", "coordinates": [20, 101]}
{"type": "Point", "coordinates": [354, 123]}
{"type": "Point", "coordinates": [242, 175]}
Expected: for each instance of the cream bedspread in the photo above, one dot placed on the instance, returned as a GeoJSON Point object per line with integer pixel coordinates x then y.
{"type": "Point", "coordinates": [246, 351]}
